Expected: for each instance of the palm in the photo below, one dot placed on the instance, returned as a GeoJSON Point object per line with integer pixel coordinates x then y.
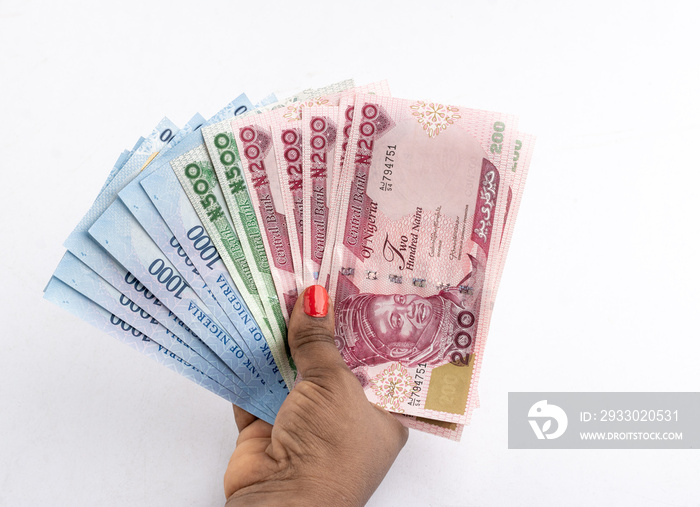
{"type": "Point", "coordinates": [262, 451]}
{"type": "Point", "coordinates": [250, 464]}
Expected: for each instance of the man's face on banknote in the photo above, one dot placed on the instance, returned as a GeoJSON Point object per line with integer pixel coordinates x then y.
{"type": "Point", "coordinates": [376, 328]}
{"type": "Point", "coordinates": [400, 319]}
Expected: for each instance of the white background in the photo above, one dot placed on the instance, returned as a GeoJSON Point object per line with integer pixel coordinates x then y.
{"type": "Point", "coordinates": [600, 292]}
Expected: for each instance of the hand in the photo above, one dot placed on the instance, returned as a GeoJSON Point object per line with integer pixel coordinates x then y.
{"type": "Point", "coordinates": [329, 445]}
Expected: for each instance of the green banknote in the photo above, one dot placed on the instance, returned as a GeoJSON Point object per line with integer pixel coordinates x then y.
{"type": "Point", "coordinates": [196, 174]}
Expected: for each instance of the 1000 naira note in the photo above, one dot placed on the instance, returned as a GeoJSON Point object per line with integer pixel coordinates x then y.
{"type": "Point", "coordinates": [129, 244]}
{"type": "Point", "coordinates": [89, 311]}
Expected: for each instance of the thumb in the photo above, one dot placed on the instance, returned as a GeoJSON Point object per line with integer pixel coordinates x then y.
{"type": "Point", "coordinates": [311, 334]}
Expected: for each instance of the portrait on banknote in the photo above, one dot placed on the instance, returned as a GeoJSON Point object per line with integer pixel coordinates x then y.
{"type": "Point", "coordinates": [381, 328]}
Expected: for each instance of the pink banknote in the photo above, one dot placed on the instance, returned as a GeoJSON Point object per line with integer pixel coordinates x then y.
{"type": "Point", "coordinates": [346, 110]}
{"type": "Point", "coordinates": [519, 155]}
{"type": "Point", "coordinates": [319, 133]}
{"type": "Point", "coordinates": [331, 97]}
{"type": "Point", "coordinates": [421, 199]}
{"type": "Point", "coordinates": [286, 139]}
{"type": "Point", "coordinates": [253, 135]}
{"type": "Point", "coordinates": [444, 429]}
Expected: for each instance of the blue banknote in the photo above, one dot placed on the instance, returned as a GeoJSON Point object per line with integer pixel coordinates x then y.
{"type": "Point", "coordinates": [80, 244]}
{"type": "Point", "coordinates": [140, 206]}
{"type": "Point", "coordinates": [189, 234]}
{"type": "Point", "coordinates": [227, 296]}
{"type": "Point", "coordinates": [71, 300]}
{"type": "Point", "coordinates": [78, 276]}
{"type": "Point", "coordinates": [131, 246]}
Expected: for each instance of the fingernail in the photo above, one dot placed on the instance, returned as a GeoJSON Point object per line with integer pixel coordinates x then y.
{"type": "Point", "coordinates": [316, 301]}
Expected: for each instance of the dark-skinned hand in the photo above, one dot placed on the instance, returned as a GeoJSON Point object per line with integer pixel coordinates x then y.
{"type": "Point", "coordinates": [329, 446]}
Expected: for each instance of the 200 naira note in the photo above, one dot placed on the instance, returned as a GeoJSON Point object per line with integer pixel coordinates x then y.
{"type": "Point", "coordinates": [421, 198]}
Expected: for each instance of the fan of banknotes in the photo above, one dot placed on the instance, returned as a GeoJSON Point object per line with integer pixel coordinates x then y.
{"type": "Point", "coordinates": [203, 237]}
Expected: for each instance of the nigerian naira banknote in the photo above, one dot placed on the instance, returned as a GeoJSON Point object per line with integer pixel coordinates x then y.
{"type": "Point", "coordinates": [421, 198]}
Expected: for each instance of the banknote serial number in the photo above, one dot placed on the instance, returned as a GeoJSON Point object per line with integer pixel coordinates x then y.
{"type": "Point", "coordinates": [385, 183]}
{"type": "Point", "coordinates": [642, 415]}
{"type": "Point", "coordinates": [418, 379]}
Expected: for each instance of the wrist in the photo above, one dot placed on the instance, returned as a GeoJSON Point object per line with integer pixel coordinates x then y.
{"type": "Point", "coordinates": [294, 494]}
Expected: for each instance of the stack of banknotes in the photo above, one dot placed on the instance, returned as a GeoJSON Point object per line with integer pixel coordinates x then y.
{"type": "Point", "coordinates": [203, 237]}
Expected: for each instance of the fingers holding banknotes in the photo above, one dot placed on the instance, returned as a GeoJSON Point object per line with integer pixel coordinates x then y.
{"type": "Point", "coordinates": [329, 445]}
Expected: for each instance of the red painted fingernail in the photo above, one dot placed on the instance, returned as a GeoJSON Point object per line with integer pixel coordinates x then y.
{"type": "Point", "coordinates": [316, 301]}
